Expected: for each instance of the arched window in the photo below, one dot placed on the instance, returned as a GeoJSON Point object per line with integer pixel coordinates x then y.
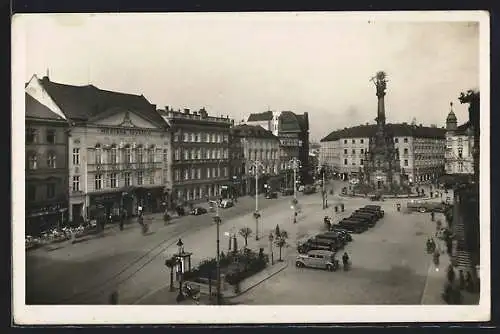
{"type": "Point", "coordinates": [51, 160]}
{"type": "Point", "coordinates": [32, 161]}
{"type": "Point", "coordinates": [113, 154]}
{"type": "Point", "coordinates": [98, 154]}
{"type": "Point", "coordinates": [140, 154]}
{"type": "Point", "coordinates": [127, 158]}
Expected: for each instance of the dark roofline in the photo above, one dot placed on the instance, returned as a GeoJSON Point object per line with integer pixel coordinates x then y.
{"type": "Point", "coordinates": [260, 117]}
{"type": "Point", "coordinates": [254, 131]}
{"type": "Point", "coordinates": [397, 130]}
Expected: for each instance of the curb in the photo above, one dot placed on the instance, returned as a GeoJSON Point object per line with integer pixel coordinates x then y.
{"type": "Point", "coordinates": [257, 283]}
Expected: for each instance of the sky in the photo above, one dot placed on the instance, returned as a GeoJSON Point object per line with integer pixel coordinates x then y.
{"type": "Point", "coordinates": [237, 64]}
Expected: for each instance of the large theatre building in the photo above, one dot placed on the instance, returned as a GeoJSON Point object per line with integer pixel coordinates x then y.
{"type": "Point", "coordinates": [118, 149]}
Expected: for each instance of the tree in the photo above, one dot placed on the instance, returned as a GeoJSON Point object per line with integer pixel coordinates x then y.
{"type": "Point", "coordinates": [170, 263]}
{"type": "Point", "coordinates": [245, 232]}
{"type": "Point", "coordinates": [277, 231]}
{"type": "Point", "coordinates": [280, 239]}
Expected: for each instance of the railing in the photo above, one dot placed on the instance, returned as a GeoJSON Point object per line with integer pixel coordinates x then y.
{"type": "Point", "coordinates": [180, 115]}
{"type": "Point", "coordinates": [124, 166]}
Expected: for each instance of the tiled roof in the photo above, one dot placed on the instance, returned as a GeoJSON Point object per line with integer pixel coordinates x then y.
{"type": "Point", "coordinates": [263, 116]}
{"type": "Point", "coordinates": [462, 129]}
{"type": "Point", "coordinates": [85, 102]}
{"type": "Point", "coordinates": [289, 121]}
{"type": "Point", "coordinates": [255, 131]}
{"type": "Point", "coordinates": [397, 130]}
{"type": "Point", "coordinates": [34, 109]}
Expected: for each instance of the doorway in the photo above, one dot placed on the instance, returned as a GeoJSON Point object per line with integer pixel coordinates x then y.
{"type": "Point", "coordinates": [379, 184]}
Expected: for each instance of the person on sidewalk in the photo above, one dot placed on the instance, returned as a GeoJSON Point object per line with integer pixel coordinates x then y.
{"type": "Point", "coordinates": [451, 274]}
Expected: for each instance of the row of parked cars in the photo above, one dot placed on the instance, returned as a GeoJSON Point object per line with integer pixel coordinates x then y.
{"type": "Point", "coordinates": [362, 219]}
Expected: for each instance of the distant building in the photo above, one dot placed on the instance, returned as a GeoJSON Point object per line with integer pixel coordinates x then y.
{"type": "Point", "coordinates": [293, 132]}
{"type": "Point", "coordinates": [459, 143]}
{"type": "Point", "coordinates": [117, 148]}
{"type": "Point", "coordinates": [46, 167]}
{"type": "Point", "coordinates": [420, 150]}
{"type": "Point", "coordinates": [258, 144]}
{"type": "Point", "coordinates": [200, 161]}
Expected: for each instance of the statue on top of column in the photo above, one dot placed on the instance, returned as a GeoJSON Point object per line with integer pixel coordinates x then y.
{"type": "Point", "coordinates": [380, 81]}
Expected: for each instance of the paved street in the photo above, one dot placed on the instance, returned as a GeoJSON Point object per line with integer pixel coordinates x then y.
{"type": "Point", "coordinates": [390, 266]}
{"type": "Point", "coordinates": [389, 263]}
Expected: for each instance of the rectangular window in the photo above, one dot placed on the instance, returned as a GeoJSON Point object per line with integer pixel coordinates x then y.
{"type": "Point", "coordinates": [98, 156]}
{"type": "Point", "coordinates": [31, 192]}
{"type": "Point", "coordinates": [345, 141]}
{"type": "Point", "coordinates": [151, 155]}
{"type": "Point", "coordinates": [345, 150]}
{"type": "Point", "coordinates": [198, 154]}
{"type": "Point", "coordinates": [396, 140]}
{"type": "Point", "coordinates": [126, 177]}
{"type": "Point", "coordinates": [51, 160]}
{"type": "Point", "coordinates": [345, 161]}
{"type": "Point", "coordinates": [128, 155]}
{"type": "Point", "coordinates": [112, 155]}
{"type": "Point", "coordinates": [405, 140]}
{"type": "Point", "coordinates": [353, 151]}
{"type": "Point", "coordinates": [140, 155]}
{"type": "Point", "coordinates": [186, 174]}
{"type": "Point", "coordinates": [186, 136]}
{"type": "Point", "coordinates": [460, 166]}
{"type": "Point", "coordinates": [186, 154]}
{"type": "Point", "coordinates": [98, 182]}
{"type": "Point", "coordinates": [197, 137]}
{"type": "Point", "coordinates": [361, 162]}
{"type": "Point", "coordinates": [214, 172]}
{"type": "Point", "coordinates": [112, 180]}
{"type": "Point", "coordinates": [198, 176]}
{"type": "Point", "coordinates": [208, 173]}
{"type": "Point", "coordinates": [177, 154]}
{"type": "Point", "coordinates": [51, 136]}
{"type": "Point", "coordinates": [405, 151]}
{"type": "Point", "coordinates": [225, 171]}
{"type": "Point", "coordinates": [193, 154]}
{"type": "Point", "coordinates": [354, 141]}
{"type": "Point", "coordinates": [193, 173]}
{"type": "Point", "coordinates": [32, 161]}
{"type": "Point", "coordinates": [362, 141]}
{"type": "Point", "coordinates": [406, 163]}
{"type": "Point", "coordinates": [31, 136]}
{"type": "Point", "coordinates": [165, 155]}
{"type": "Point", "coordinates": [76, 156]}
{"type": "Point", "coordinates": [176, 137]}
{"type": "Point", "coordinates": [177, 175]}
{"type": "Point", "coordinates": [192, 137]}
{"type": "Point", "coordinates": [51, 190]}
{"type": "Point", "coordinates": [460, 153]}
{"type": "Point", "coordinates": [140, 176]}
{"type": "Point", "coordinates": [152, 178]}
{"type": "Point", "coordinates": [76, 183]}
{"type": "Point", "coordinates": [362, 150]}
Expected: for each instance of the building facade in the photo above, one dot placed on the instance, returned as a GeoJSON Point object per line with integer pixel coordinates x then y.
{"type": "Point", "coordinates": [260, 145]}
{"type": "Point", "coordinates": [459, 144]}
{"type": "Point", "coordinates": [420, 150]}
{"type": "Point", "coordinates": [200, 155]}
{"type": "Point", "coordinates": [46, 167]}
{"type": "Point", "coordinates": [237, 162]}
{"type": "Point", "coordinates": [118, 147]}
{"type": "Point", "coordinates": [293, 132]}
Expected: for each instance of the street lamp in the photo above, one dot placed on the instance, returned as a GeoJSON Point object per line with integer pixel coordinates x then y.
{"type": "Point", "coordinates": [295, 165]}
{"type": "Point", "coordinates": [271, 238]}
{"type": "Point", "coordinates": [180, 246]}
{"type": "Point", "coordinates": [256, 164]}
{"type": "Point", "coordinates": [217, 222]}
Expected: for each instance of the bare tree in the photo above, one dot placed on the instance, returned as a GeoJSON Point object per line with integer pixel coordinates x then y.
{"type": "Point", "coordinates": [245, 232]}
{"type": "Point", "coordinates": [280, 239]}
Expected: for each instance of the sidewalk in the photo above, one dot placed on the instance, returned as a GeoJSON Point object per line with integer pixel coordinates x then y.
{"type": "Point", "coordinates": [163, 295]}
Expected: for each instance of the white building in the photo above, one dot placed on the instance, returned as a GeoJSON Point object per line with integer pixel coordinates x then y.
{"type": "Point", "coordinates": [459, 142]}
{"type": "Point", "coordinates": [118, 149]}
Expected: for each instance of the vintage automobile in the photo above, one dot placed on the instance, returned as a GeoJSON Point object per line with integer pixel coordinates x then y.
{"type": "Point", "coordinates": [287, 192]}
{"type": "Point", "coordinates": [309, 189]}
{"type": "Point", "coordinates": [371, 216]}
{"type": "Point", "coordinates": [376, 197]}
{"type": "Point", "coordinates": [226, 203]}
{"type": "Point", "coordinates": [198, 211]}
{"type": "Point", "coordinates": [334, 236]}
{"type": "Point", "coordinates": [425, 206]}
{"type": "Point", "coordinates": [353, 225]}
{"type": "Point", "coordinates": [342, 231]}
{"type": "Point", "coordinates": [374, 208]}
{"type": "Point", "coordinates": [321, 259]}
{"type": "Point", "coordinates": [313, 243]}
{"type": "Point", "coordinates": [271, 195]}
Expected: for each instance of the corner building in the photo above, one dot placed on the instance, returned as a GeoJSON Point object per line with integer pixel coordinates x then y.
{"type": "Point", "coordinates": [200, 155]}
{"type": "Point", "coordinates": [118, 149]}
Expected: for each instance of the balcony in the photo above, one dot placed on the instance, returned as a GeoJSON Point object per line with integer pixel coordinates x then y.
{"type": "Point", "coordinates": [125, 166]}
{"type": "Point", "coordinates": [201, 161]}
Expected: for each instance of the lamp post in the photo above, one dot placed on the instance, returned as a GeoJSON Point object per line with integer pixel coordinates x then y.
{"type": "Point", "coordinates": [217, 222]}
{"type": "Point", "coordinates": [271, 238]}
{"type": "Point", "coordinates": [295, 164]}
{"type": "Point", "coordinates": [256, 164]}
{"type": "Point", "coordinates": [180, 246]}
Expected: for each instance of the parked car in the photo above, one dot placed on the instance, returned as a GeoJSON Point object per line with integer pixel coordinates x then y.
{"type": "Point", "coordinates": [272, 194]}
{"type": "Point", "coordinates": [353, 225]}
{"type": "Point", "coordinates": [180, 210]}
{"type": "Point", "coordinates": [342, 231]}
{"type": "Point", "coordinates": [287, 192]}
{"type": "Point", "coordinates": [309, 189]}
{"type": "Point", "coordinates": [423, 206]}
{"type": "Point", "coordinates": [334, 236]}
{"type": "Point", "coordinates": [321, 259]}
{"type": "Point", "coordinates": [366, 220]}
{"type": "Point", "coordinates": [198, 211]}
{"type": "Point", "coordinates": [226, 203]}
{"type": "Point", "coordinates": [374, 208]}
{"type": "Point", "coordinates": [313, 243]}
{"type": "Point", "coordinates": [372, 216]}
{"type": "Point", "coordinates": [376, 197]}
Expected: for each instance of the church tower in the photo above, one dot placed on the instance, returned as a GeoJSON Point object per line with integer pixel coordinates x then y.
{"type": "Point", "coordinates": [451, 120]}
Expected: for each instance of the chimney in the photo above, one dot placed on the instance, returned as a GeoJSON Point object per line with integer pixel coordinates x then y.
{"type": "Point", "coordinates": [167, 108]}
{"type": "Point", "coordinates": [186, 111]}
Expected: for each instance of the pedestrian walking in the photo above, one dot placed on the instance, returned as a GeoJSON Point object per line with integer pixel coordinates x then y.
{"type": "Point", "coordinates": [451, 274]}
